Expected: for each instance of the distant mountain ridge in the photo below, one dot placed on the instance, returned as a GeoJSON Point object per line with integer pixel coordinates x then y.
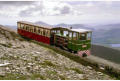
{"type": "Point", "coordinates": [103, 36]}
{"type": "Point", "coordinates": [107, 26]}
{"type": "Point", "coordinates": [75, 26]}
{"type": "Point", "coordinates": [13, 27]}
{"type": "Point", "coordinates": [42, 23]}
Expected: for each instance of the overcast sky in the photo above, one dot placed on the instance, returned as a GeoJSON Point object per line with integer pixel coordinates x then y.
{"type": "Point", "coordinates": [60, 11]}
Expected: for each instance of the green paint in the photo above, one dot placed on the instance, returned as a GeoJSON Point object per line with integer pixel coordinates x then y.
{"type": "Point", "coordinates": [76, 45]}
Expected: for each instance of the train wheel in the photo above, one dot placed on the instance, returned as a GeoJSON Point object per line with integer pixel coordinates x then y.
{"type": "Point", "coordinates": [75, 51]}
{"type": "Point", "coordinates": [56, 45]}
{"type": "Point", "coordinates": [84, 55]}
{"type": "Point", "coordinates": [61, 47]}
{"type": "Point", "coordinates": [70, 50]}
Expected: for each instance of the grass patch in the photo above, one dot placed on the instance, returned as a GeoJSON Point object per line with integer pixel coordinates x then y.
{"type": "Point", "coordinates": [77, 70]}
{"type": "Point", "coordinates": [66, 68]}
{"type": "Point", "coordinates": [113, 72]}
{"type": "Point", "coordinates": [9, 57]}
{"type": "Point", "coordinates": [48, 63]}
{"type": "Point", "coordinates": [11, 76]}
{"type": "Point", "coordinates": [51, 72]}
{"type": "Point", "coordinates": [39, 76]}
{"type": "Point", "coordinates": [62, 77]}
{"type": "Point", "coordinates": [52, 75]}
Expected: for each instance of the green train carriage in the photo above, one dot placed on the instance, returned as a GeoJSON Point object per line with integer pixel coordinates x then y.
{"type": "Point", "coordinates": [74, 40]}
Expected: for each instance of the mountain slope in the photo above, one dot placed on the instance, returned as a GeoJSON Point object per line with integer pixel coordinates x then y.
{"type": "Point", "coordinates": [26, 60]}
{"type": "Point", "coordinates": [106, 53]}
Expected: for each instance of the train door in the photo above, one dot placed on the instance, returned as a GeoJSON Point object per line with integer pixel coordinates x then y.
{"type": "Point", "coordinates": [52, 37]}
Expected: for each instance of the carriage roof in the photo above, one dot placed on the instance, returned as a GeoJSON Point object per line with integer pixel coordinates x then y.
{"type": "Point", "coordinates": [80, 30]}
{"type": "Point", "coordinates": [33, 24]}
{"type": "Point", "coordinates": [75, 30]}
{"type": "Point", "coordinates": [50, 27]}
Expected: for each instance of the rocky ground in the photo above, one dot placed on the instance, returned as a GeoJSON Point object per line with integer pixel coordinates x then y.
{"type": "Point", "coordinates": [31, 61]}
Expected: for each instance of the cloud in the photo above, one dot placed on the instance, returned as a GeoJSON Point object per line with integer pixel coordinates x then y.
{"type": "Point", "coordinates": [36, 8]}
{"type": "Point", "coordinates": [12, 8]}
{"type": "Point", "coordinates": [15, 3]}
{"type": "Point", "coordinates": [65, 10]}
{"type": "Point", "coordinates": [33, 10]}
{"type": "Point", "coordinates": [46, 8]}
{"type": "Point", "coordinates": [60, 9]}
{"type": "Point", "coordinates": [25, 13]}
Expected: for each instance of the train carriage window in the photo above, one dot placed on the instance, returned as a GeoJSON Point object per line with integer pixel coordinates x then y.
{"type": "Point", "coordinates": [48, 33]}
{"type": "Point", "coordinates": [65, 33]}
{"type": "Point", "coordinates": [88, 36]}
{"type": "Point", "coordinates": [45, 32]}
{"type": "Point", "coordinates": [25, 27]}
{"type": "Point", "coordinates": [22, 25]}
{"type": "Point", "coordinates": [19, 25]}
{"type": "Point", "coordinates": [58, 31]}
{"type": "Point", "coordinates": [74, 35]}
{"type": "Point", "coordinates": [83, 36]}
{"type": "Point", "coordinates": [34, 29]}
{"type": "Point", "coordinates": [70, 35]}
{"type": "Point", "coordinates": [53, 31]}
{"type": "Point", "coordinates": [31, 29]}
{"type": "Point", "coordinates": [41, 32]}
{"type": "Point", "coordinates": [28, 28]}
{"type": "Point", "coordinates": [77, 35]}
{"type": "Point", "coordinates": [38, 30]}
